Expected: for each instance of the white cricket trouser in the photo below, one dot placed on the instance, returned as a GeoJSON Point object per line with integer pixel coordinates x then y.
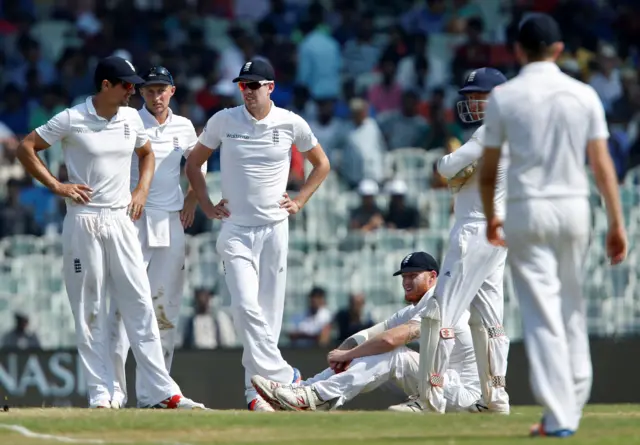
{"type": "Point", "coordinates": [471, 278]}
{"type": "Point", "coordinates": [255, 269]}
{"type": "Point", "coordinates": [548, 242]}
{"type": "Point", "coordinates": [401, 368]}
{"type": "Point", "coordinates": [102, 257]}
{"type": "Point", "coordinates": [165, 269]}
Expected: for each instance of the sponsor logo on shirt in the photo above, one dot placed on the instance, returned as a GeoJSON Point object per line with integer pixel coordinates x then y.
{"type": "Point", "coordinates": [238, 136]}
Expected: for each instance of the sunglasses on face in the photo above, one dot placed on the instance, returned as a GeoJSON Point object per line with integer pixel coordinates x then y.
{"type": "Point", "coordinates": [252, 85]}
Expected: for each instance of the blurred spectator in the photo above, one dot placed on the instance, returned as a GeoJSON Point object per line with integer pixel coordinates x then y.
{"type": "Point", "coordinates": [624, 108]}
{"type": "Point", "coordinates": [463, 11]}
{"type": "Point", "coordinates": [397, 46]}
{"type": "Point", "coordinates": [405, 128]}
{"type": "Point", "coordinates": [386, 94]}
{"type": "Point", "coordinates": [20, 337]}
{"type": "Point", "coordinates": [418, 70]}
{"type": "Point", "coordinates": [426, 18]}
{"type": "Point", "coordinates": [365, 148]}
{"type": "Point", "coordinates": [441, 133]}
{"type": "Point", "coordinates": [314, 327]}
{"type": "Point", "coordinates": [52, 103]}
{"type": "Point", "coordinates": [15, 218]}
{"type": "Point", "coordinates": [330, 130]}
{"type": "Point", "coordinates": [367, 216]}
{"type": "Point", "coordinates": [619, 146]}
{"type": "Point", "coordinates": [208, 328]}
{"type": "Point", "coordinates": [400, 215]}
{"type": "Point", "coordinates": [40, 201]}
{"type": "Point", "coordinates": [15, 112]}
{"type": "Point", "coordinates": [363, 52]}
{"type": "Point", "coordinates": [473, 54]}
{"type": "Point", "coordinates": [282, 17]}
{"type": "Point", "coordinates": [606, 80]}
{"type": "Point", "coordinates": [437, 180]}
{"type": "Point", "coordinates": [352, 319]}
{"type": "Point", "coordinates": [30, 57]}
{"type": "Point", "coordinates": [319, 60]}
{"type": "Point", "coordinates": [348, 18]}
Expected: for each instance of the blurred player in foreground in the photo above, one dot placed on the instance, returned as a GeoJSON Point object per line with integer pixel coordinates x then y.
{"type": "Point", "coordinates": [549, 121]}
{"type": "Point", "coordinates": [379, 355]}
{"type": "Point", "coordinates": [161, 227]}
{"type": "Point", "coordinates": [101, 252]}
{"type": "Point", "coordinates": [255, 142]}
{"type": "Point", "coordinates": [473, 269]}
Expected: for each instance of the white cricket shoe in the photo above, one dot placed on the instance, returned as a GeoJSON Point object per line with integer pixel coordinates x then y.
{"type": "Point", "coordinates": [480, 406]}
{"type": "Point", "coordinates": [115, 404]}
{"type": "Point", "coordinates": [260, 405]}
{"type": "Point", "coordinates": [266, 388]}
{"type": "Point", "coordinates": [301, 398]}
{"type": "Point", "coordinates": [178, 402]}
{"type": "Point", "coordinates": [102, 404]}
{"type": "Point", "coordinates": [411, 405]}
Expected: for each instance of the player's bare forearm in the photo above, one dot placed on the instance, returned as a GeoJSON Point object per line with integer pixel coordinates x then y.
{"type": "Point", "coordinates": [193, 170]}
{"type": "Point", "coordinates": [487, 180]}
{"type": "Point", "coordinates": [387, 340]}
{"type": "Point", "coordinates": [28, 157]}
{"type": "Point", "coordinates": [321, 168]}
{"type": "Point", "coordinates": [606, 180]}
{"type": "Point", "coordinates": [349, 343]}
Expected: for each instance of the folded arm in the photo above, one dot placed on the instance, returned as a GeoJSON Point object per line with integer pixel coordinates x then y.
{"type": "Point", "coordinates": [451, 164]}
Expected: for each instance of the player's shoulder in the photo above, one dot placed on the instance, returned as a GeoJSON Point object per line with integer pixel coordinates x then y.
{"type": "Point", "coordinates": [129, 112]}
{"type": "Point", "coordinates": [478, 135]}
{"type": "Point", "coordinates": [282, 115]}
{"type": "Point", "coordinates": [181, 121]}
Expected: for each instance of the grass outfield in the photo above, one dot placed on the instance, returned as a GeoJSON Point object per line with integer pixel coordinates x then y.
{"type": "Point", "coordinates": [602, 424]}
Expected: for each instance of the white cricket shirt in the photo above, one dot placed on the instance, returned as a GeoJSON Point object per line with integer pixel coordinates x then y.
{"type": "Point", "coordinates": [547, 118]}
{"type": "Point", "coordinates": [412, 312]}
{"type": "Point", "coordinates": [97, 151]}
{"type": "Point", "coordinates": [170, 142]}
{"type": "Point", "coordinates": [255, 158]}
{"type": "Point", "coordinates": [467, 201]}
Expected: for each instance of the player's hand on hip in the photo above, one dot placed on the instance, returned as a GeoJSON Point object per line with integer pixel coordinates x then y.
{"type": "Point", "coordinates": [494, 232]}
{"type": "Point", "coordinates": [616, 245]}
{"type": "Point", "coordinates": [188, 213]}
{"type": "Point", "coordinates": [290, 205]}
{"type": "Point", "coordinates": [79, 193]}
{"type": "Point", "coordinates": [218, 211]}
{"type": "Point", "coordinates": [138, 200]}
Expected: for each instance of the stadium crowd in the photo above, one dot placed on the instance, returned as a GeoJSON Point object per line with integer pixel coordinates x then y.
{"type": "Point", "coordinates": [370, 77]}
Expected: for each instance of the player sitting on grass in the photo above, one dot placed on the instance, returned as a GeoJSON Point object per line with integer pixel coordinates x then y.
{"type": "Point", "coordinates": [379, 355]}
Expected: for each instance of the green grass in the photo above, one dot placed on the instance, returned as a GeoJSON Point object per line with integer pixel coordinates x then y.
{"type": "Point", "coordinates": [602, 424]}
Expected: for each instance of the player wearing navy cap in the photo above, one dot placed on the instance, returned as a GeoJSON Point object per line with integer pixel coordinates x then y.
{"type": "Point", "coordinates": [472, 270]}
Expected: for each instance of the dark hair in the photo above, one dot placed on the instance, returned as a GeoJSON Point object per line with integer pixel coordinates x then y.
{"type": "Point", "coordinates": [317, 292]}
{"type": "Point", "coordinates": [539, 53]}
{"type": "Point", "coordinates": [98, 83]}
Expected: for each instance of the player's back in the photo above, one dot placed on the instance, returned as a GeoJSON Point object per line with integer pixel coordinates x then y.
{"type": "Point", "coordinates": [547, 119]}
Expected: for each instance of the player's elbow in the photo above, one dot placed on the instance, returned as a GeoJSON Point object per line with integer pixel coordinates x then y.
{"type": "Point", "coordinates": [390, 341]}
{"type": "Point", "coordinates": [26, 147]}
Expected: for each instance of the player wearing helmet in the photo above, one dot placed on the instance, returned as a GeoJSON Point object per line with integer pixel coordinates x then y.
{"type": "Point", "coordinates": [472, 270]}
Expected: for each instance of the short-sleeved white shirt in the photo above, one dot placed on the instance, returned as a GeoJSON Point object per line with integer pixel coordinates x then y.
{"type": "Point", "coordinates": [97, 151]}
{"type": "Point", "coordinates": [412, 312]}
{"type": "Point", "coordinates": [255, 158]}
{"type": "Point", "coordinates": [547, 118]}
{"type": "Point", "coordinates": [170, 142]}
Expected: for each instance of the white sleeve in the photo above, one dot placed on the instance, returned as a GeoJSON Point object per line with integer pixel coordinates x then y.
{"type": "Point", "coordinates": [210, 136]}
{"type": "Point", "coordinates": [141, 132]}
{"type": "Point", "coordinates": [598, 128]}
{"type": "Point", "coordinates": [494, 132]}
{"type": "Point", "coordinates": [451, 164]}
{"type": "Point", "coordinates": [56, 128]}
{"type": "Point", "coordinates": [303, 137]}
{"type": "Point", "coordinates": [192, 140]}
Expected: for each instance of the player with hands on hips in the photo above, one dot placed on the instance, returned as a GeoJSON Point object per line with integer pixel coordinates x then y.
{"type": "Point", "coordinates": [255, 142]}
{"type": "Point", "coordinates": [473, 269]}
{"type": "Point", "coordinates": [161, 226]}
{"type": "Point", "coordinates": [553, 124]}
{"type": "Point", "coordinates": [379, 356]}
{"type": "Point", "coordinates": [101, 252]}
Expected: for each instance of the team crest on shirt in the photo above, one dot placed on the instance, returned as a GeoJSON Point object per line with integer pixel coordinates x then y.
{"type": "Point", "coordinates": [176, 143]}
{"type": "Point", "coordinates": [276, 137]}
{"type": "Point", "coordinates": [127, 131]}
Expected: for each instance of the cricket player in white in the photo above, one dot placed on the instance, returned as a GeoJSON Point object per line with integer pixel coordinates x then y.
{"type": "Point", "coordinates": [161, 227]}
{"type": "Point", "coordinates": [101, 251]}
{"type": "Point", "coordinates": [379, 356]}
{"type": "Point", "coordinates": [549, 121]}
{"type": "Point", "coordinates": [255, 153]}
{"type": "Point", "coordinates": [472, 269]}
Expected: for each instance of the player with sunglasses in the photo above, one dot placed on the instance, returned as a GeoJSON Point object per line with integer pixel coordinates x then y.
{"type": "Point", "coordinates": [161, 227]}
{"type": "Point", "coordinates": [255, 142]}
{"type": "Point", "coordinates": [100, 249]}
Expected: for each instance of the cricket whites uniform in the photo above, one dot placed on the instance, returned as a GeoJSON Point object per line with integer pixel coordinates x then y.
{"type": "Point", "coordinates": [548, 118]}
{"type": "Point", "coordinates": [400, 368]}
{"type": "Point", "coordinates": [101, 251]}
{"type": "Point", "coordinates": [162, 239]}
{"type": "Point", "coordinates": [253, 243]}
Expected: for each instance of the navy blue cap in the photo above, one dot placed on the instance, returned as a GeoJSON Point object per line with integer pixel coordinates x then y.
{"type": "Point", "coordinates": [256, 70]}
{"type": "Point", "coordinates": [158, 75]}
{"type": "Point", "coordinates": [111, 68]}
{"type": "Point", "coordinates": [537, 31]}
{"type": "Point", "coordinates": [418, 262]}
{"type": "Point", "coordinates": [482, 80]}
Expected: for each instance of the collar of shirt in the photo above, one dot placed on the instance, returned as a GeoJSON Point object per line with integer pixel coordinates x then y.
{"type": "Point", "coordinates": [265, 121]}
{"type": "Point", "coordinates": [540, 67]}
{"type": "Point", "coordinates": [150, 120]}
{"type": "Point", "coordinates": [92, 110]}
